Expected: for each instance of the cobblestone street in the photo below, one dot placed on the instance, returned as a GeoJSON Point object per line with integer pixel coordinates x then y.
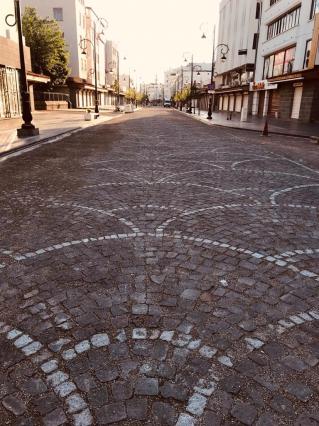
{"type": "Point", "coordinates": [158, 271]}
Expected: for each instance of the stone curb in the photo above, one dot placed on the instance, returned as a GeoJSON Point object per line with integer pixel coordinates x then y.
{"type": "Point", "coordinates": [274, 132]}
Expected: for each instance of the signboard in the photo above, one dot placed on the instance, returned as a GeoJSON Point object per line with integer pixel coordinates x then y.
{"type": "Point", "coordinates": [262, 85]}
{"type": "Point", "coordinates": [211, 86]}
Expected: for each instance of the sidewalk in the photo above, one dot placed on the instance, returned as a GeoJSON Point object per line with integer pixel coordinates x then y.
{"type": "Point", "coordinates": [275, 126]}
{"type": "Point", "coordinates": [51, 124]}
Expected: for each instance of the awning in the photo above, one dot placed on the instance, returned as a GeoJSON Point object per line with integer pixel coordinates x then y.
{"type": "Point", "coordinates": [37, 78]}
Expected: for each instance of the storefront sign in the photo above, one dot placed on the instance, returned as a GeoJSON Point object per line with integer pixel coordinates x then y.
{"type": "Point", "coordinates": [262, 85]}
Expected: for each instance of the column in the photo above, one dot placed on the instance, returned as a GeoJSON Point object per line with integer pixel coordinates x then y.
{"type": "Point", "coordinates": [266, 103]}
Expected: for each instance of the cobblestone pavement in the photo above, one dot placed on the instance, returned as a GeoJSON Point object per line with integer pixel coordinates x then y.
{"type": "Point", "coordinates": [158, 271]}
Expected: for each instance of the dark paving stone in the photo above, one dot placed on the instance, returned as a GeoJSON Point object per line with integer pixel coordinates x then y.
{"type": "Point", "coordinates": [281, 405]}
{"type": "Point", "coordinates": [14, 404]}
{"type": "Point", "coordinates": [294, 363]}
{"type": "Point", "coordinates": [46, 403]}
{"type": "Point", "coordinates": [245, 413]}
{"type": "Point", "coordinates": [146, 387]}
{"type": "Point", "coordinates": [107, 374]}
{"type": "Point", "coordinates": [300, 391]}
{"type": "Point", "coordinates": [34, 386]}
{"type": "Point", "coordinates": [98, 397]}
{"type": "Point", "coordinates": [137, 409]}
{"type": "Point", "coordinates": [172, 390]}
{"type": "Point", "coordinates": [122, 390]}
{"type": "Point", "coordinates": [55, 418]}
{"type": "Point", "coordinates": [111, 413]}
{"type": "Point", "coordinates": [164, 414]}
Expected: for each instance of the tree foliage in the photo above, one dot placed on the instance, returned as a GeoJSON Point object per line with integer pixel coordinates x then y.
{"type": "Point", "coordinates": [49, 55]}
{"type": "Point", "coordinates": [115, 86]}
{"type": "Point", "coordinates": [130, 94]}
{"type": "Point", "coordinates": [183, 95]}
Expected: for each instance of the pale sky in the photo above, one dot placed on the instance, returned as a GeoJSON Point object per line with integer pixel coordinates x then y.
{"type": "Point", "coordinates": [154, 34]}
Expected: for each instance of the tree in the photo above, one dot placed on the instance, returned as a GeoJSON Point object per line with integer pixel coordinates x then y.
{"type": "Point", "coordinates": [49, 55]}
{"type": "Point", "coordinates": [183, 95]}
{"type": "Point", "coordinates": [116, 86]}
{"type": "Point", "coordinates": [130, 94]}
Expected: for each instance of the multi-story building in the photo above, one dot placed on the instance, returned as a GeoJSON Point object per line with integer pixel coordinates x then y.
{"type": "Point", "coordinates": [236, 53]}
{"type": "Point", "coordinates": [155, 92]}
{"type": "Point", "coordinates": [286, 84]}
{"type": "Point", "coordinates": [111, 62]}
{"type": "Point", "coordinates": [10, 99]}
{"type": "Point", "coordinates": [79, 23]}
{"type": "Point", "coordinates": [177, 78]}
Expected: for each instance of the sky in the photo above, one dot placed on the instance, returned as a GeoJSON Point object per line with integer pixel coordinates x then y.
{"type": "Point", "coordinates": [154, 34]}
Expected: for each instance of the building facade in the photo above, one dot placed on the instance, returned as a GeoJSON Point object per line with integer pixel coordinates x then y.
{"type": "Point", "coordinates": [176, 79]}
{"type": "Point", "coordinates": [286, 84]}
{"type": "Point", "coordinates": [79, 23]}
{"type": "Point", "coordinates": [10, 93]}
{"type": "Point", "coordinates": [155, 93]}
{"type": "Point", "coordinates": [235, 54]}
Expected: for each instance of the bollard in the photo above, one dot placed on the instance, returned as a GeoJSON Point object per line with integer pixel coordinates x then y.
{"type": "Point", "coordinates": [265, 130]}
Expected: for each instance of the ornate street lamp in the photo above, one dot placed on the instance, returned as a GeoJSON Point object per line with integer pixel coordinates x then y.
{"type": "Point", "coordinates": [27, 128]}
{"type": "Point", "coordinates": [83, 46]}
{"type": "Point", "coordinates": [185, 55]}
{"type": "Point", "coordinates": [224, 51]}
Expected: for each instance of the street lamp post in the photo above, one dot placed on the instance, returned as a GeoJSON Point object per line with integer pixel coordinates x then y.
{"type": "Point", "coordinates": [27, 128]}
{"type": "Point", "coordinates": [224, 51]}
{"type": "Point", "coordinates": [94, 45]}
{"type": "Point", "coordinates": [182, 85]}
{"type": "Point", "coordinates": [189, 110]}
{"type": "Point", "coordinates": [118, 82]}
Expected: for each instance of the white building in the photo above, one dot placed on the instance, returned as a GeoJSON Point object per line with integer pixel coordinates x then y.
{"type": "Point", "coordinates": [177, 78]}
{"type": "Point", "coordinates": [111, 62]}
{"type": "Point", "coordinates": [155, 92]}
{"type": "Point", "coordinates": [77, 23]}
{"type": "Point", "coordinates": [235, 53]}
{"type": "Point", "coordinates": [287, 73]}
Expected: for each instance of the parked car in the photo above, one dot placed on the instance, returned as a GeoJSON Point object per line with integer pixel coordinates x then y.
{"type": "Point", "coordinates": [167, 104]}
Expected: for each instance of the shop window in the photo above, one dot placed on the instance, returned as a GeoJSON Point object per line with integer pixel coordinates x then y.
{"type": "Point", "coordinates": [279, 63]}
{"type": "Point", "coordinates": [289, 60]}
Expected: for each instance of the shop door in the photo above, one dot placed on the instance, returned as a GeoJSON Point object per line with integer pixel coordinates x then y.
{"type": "Point", "coordinates": [238, 103]}
{"type": "Point", "coordinates": [261, 103]}
{"type": "Point", "coordinates": [231, 102]}
{"type": "Point", "coordinates": [274, 100]}
{"type": "Point", "coordinates": [296, 103]}
{"type": "Point", "coordinates": [225, 103]}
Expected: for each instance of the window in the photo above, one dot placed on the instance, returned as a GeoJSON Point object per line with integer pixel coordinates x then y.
{"type": "Point", "coordinates": [314, 8]}
{"type": "Point", "coordinates": [284, 23]}
{"type": "Point", "coordinates": [289, 60]}
{"type": "Point", "coordinates": [307, 54]}
{"type": "Point", "coordinates": [58, 13]}
{"type": "Point", "coordinates": [279, 63]}
{"type": "Point", "coordinates": [272, 2]}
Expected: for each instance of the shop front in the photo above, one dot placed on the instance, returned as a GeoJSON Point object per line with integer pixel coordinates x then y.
{"type": "Point", "coordinates": [290, 97]}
